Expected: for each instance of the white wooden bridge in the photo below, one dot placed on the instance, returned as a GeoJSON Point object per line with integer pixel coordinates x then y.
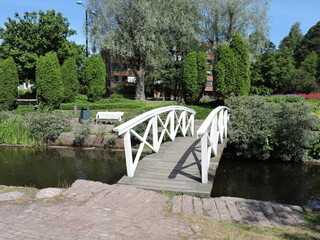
{"type": "Point", "coordinates": [186, 163]}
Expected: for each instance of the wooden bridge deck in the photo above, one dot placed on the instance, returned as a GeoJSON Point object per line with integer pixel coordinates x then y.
{"type": "Point", "coordinates": [176, 167]}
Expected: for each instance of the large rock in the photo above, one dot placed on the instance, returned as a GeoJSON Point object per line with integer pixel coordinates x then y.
{"type": "Point", "coordinates": [9, 196]}
{"type": "Point", "coordinates": [49, 193]}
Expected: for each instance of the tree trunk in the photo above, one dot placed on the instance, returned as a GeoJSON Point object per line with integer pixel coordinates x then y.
{"type": "Point", "coordinates": [140, 75]}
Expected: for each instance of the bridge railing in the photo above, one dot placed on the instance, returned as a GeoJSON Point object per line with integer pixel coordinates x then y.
{"type": "Point", "coordinates": [160, 122]}
{"type": "Point", "coordinates": [212, 132]}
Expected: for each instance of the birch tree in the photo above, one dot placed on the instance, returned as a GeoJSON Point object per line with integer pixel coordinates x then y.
{"type": "Point", "coordinates": [143, 31]}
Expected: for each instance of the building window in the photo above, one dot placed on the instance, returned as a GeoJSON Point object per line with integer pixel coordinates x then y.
{"type": "Point", "coordinates": [208, 84]}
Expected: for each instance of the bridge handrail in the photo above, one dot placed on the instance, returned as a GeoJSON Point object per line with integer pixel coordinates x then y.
{"type": "Point", "coordinates": [170, 127]}
{"type": "Point", "coordinates": [211, 131]}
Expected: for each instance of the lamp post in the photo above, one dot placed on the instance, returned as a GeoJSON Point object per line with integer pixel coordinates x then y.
{"type": "Point", "coordinates": [87, 48]}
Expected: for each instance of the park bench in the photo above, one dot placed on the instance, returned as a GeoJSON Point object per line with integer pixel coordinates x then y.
{"type": "Point", "coordinates": [108, 117]}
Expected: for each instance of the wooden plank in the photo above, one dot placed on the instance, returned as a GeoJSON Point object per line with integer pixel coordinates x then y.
{"type": "Point", "coordinates": [176, 167]}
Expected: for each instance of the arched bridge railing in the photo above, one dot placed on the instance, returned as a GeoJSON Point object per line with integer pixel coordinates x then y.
{"type": "Point", "coordinates": [212, 131]}
{"type": "Point", "coordinates": [159, 122]}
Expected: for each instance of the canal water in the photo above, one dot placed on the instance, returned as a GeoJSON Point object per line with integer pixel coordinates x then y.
{"type": "Point", "coordinates": [290, 183]}
{"type": "Point", "coordinates": [43, 168]}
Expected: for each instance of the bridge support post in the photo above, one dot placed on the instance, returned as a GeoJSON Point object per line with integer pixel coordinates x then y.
{"type": "Point", "coordinates": [204, 158]}
{"type": "Point", "coordinates": [128, 154]}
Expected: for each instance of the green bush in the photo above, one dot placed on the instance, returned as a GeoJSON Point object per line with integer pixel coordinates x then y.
{"type": "Point", "coordinates": [81, 131]}
{"type": "Point", "coordinates": [70, 79]}
{"type": "Point", "coordinates": [315, 149]}
{"type": "Point", "coordinates": [94, 77]}
{"type": "Point", "coordinates": [47, 126]}
{"type": "Point", "coordinates": [116, 96]}
{"type": "Point", "coordinates": [262, 131]}
{"type": "Point", "coordinates": [8, 83]}
{"type": "Point", "coordinates": [24, 109]}
{"type": "Point", "coordinates": [49, 80]}
{"type": "Point", "coordinates": [284, 99]}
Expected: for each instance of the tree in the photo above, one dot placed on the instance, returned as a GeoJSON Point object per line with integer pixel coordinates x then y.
{"type": "Point", "coordinates": [8, 83]}
{"type": "Point", "coordinates": [28, 37]}
{"type": "Point", "coordinates": [310, 42]}
{"type": "Point", "coordinates": [305, 78]}
{"type": "Point", "coordinates": [70, 79]}
{"type": "Point", "coordinates": [190, 78]}
{"type": "Point", "coordinates": [241, 53]}
{"type": "Point", "coordinates": [223, 18]}
{"type": "Point", "coordinates": [225, 73]}
{"type": "Point", "coordinates": [94, 77]}
{"type": "Point", "coordinates": [49, 80]}
{"type": "Point", "coordinates": [143, 32]}
{"type": "Point", "coordinates": [202, 71]}
{"type": "Point", "coordinates": [293, 39]}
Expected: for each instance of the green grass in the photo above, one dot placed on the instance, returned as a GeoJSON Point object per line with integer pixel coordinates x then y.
{"type": "Point", "coordinates": [132, 108]}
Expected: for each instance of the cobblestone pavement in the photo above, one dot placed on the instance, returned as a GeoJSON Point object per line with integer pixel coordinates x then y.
{"type": "Point", "coordinates": [93, 210]}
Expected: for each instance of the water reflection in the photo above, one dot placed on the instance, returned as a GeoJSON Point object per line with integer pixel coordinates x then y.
{"type": "Point", "coordinates": [291, 183]}
{"type": "Point", "coordinates": [52, 167]}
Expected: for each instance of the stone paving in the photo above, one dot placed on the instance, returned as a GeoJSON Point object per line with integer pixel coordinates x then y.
{"type": "Point", "coordinates": [93, 210]}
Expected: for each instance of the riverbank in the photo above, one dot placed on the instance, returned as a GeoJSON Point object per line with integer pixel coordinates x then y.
{"type": "Point", "coordinates": [92, 210]}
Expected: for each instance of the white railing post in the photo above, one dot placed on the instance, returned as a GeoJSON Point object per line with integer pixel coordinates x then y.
{"type": "Point", "coordinates": [156, 146]}
{"type": "Point", "coordinates": [204, 158]}
{"type": "Point", "coordinates": [172, 135]}
{"type": "Point", "coordinates": [128, 154]}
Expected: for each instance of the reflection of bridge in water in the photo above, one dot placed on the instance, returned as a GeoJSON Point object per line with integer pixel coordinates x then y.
{"type": "Point", "coordinates": [184, 164]}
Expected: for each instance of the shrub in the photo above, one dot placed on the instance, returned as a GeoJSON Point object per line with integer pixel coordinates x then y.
{"type": "Point", "coordinates": [315, 149]}
{"type": "Point", "coordinates": [94, 77]}
{"type": "Point", "coordinates": [251, 126]}
{"type": "Point", "coordinates": [293, 132]}
{"type": "Point", "coordinates": [81, 131]}
{"type": "Point", "coordinates": [116, 96]}
{"type": "Point", "coordinates": [284, 99]}
{"type": "Point", "coordinates": [70, 79]}
{"type": "Point", "coordinates": [262, 131]}
{"type": "Point", "coordinates": [47, 126]}
{"type": "Point", "coordinates": [49, 80]}
{"type": "Point", "coordinates": [24, 109]}
{"type": "Point", "coordinates": [8, 83]}
{"type": "Point", "coordinates": [190, 86]}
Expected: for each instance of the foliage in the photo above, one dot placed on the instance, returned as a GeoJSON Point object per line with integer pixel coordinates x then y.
{"type": "Point", "coordinates": [94, 77]}
{"type": "Point", "coordinates": [143, 32]}
{"type": "Point", "coordinates": [46, 31]}
{"type": "Point", "coordinates": [81, 131]}
{"type": "Point", "coordinates": [13, 131]}
{"type": "Point", "coordinates": [111, 142]}
{"type": "Point", "coordinates": [49, 80]}
{"type": "Point", "coordinates": [251, 132]}
{"type": "Point", "coordinates": [293, 39]}
{"type": "Point", "coordinates": [70, 79]}
{"type": "Point", "coordinates": [315, 148]}
{"type": "Point", "coordinates": [241, 53]}
{"type": "Point", "coordinates": [310, 42]}
{"type": "Point", "coordinates": [223, 18]}
{"type": "Point", "coordinates": [116, 96]}
{"type": "Point", "coordinates": [284, 99]}
{"type": "Point", "coordinates": [269, 132]}
{"type": "Point", "coordinates": [47, 126]}
{"type": "Point", "coordinates": [311, 64]}
{"type": "Point", "coordinates": [8, 83]}
{"type": "Point", "coordinates": [23, 109]}
{"type": "Point", "coordinates": [293, 132]}
{"type": "Point", "coordinates": [225, 72]}
{"type": "Point", "coordinates": [190, 79]}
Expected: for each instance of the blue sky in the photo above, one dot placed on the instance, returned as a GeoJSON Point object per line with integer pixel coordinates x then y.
{"type": "Point", "coordinates": [283, 14]}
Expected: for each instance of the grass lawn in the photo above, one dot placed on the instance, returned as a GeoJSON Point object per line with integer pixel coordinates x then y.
{"type": "Point", "coordinates": [135, 107]}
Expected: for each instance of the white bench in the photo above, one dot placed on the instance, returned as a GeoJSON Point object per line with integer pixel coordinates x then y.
{"type": "Point", "coordinates": [108, 116]}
